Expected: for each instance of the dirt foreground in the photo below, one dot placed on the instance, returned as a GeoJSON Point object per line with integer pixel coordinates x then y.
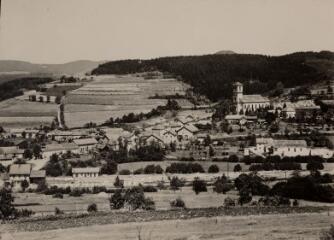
{"type": "Point", "coordinates": [254, 227]}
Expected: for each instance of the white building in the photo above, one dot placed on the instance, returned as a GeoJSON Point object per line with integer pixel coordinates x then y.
{"type": "Point", "coordinates": [187, 132]}
{"type": "Point", "coordinates": [85, 144]}
{"type": "Point", "coordinates": [88, 172]}
{"type": "Point", "coordinates": [286, 148]}
{"type": "Point", "coordinates": [56, 148]}
{"type": "Point", "coordinates": [247, 102]}
{"type": "Point", "coordinates": [19, 173]}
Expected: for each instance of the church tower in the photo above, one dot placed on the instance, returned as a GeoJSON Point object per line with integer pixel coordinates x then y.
{"type": "Point", "coordinates": [237, 96]}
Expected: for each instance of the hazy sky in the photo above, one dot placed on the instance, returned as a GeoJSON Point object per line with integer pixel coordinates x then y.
{"type": "Point", "coordinates": [56, 31]}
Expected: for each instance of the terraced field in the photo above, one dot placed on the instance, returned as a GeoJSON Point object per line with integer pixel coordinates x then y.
{"type": "Point", "coordinates": [115, 96]}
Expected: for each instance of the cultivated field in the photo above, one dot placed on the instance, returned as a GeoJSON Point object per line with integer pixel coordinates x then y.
{"type": "Point", "coordinates": [290, 226]}
{"type": "Point", "coordinates": [19, 113]}
{"type": "Point", "coordinates": [115, 96]}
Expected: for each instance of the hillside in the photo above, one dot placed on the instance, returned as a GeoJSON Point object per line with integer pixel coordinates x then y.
{"type": "Point", "coordinates": [81, 66]}
{"type": "Point", "coordinates": [213, 75]}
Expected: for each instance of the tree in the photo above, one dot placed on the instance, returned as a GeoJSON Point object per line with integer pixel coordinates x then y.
{"type": "Point", "coordinates": [24, 185]}
{"type": "Point", "coordinates": [213, 169]}
{"type": "Point", "coordinates": [27, 154]}
{"type": "Point", "coordinates": [2, 168]}
{"type": "Point", "coordinates": [176, 183]}
{"type": "Point", "coordinates": [118, 183]}
{"type": "Point", "coordinates": [7, 209]}
{"type": "Point", "coordinates": [199, 186]}
{"type": "Point", "coordinates": [207, 140]}
{"type": "Point", "coordinates": [237, 168]}
{"type": "Point", "coordinates": [178, 203]}
{"type": "Point", "coordinates": [314, 166]}
{"type": "Point", "coordinates": [53, 167]}
{"type": "Point", "coordinates": [244, 196]}
{"type": "Point", "coordinates": [109, 168]}
{"type": "Point", "coordinates": [92, 208]}
{"type": "Point", "coordinates": [211, 151]}
{"type": "Point", "coordinates": [37, 150]}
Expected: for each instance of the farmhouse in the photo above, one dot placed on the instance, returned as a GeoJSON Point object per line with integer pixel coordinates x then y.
{"type": "Point", "coordinates": [286, 148]}
{"type": "Point", "coordinates": [169, 136]}
{"type": "Point", "coordinates": [85, 144]}
{"type": "Point", "coordinates": [35, 96]}
{"type": "Point", "coordinates": [56, 148]}
{"type": "Point", "coordinates": [19, 173]}
{"type": "Point", "coordinates": [244, 103]}
{"type": "Point", "coordinates": [37, 176]}
{"type": "Point", "coordinates": [60, 136]}
{"type": "Point", "coordinates": [187, 132]}
{"type": "Point", "coordinates": [151, 139]}
{"type": "Point", "coordinates": [85, 172]}
{"type": "Point", "coordinates": [9, 153]}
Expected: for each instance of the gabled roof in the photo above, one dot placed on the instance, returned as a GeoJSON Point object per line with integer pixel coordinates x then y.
{"type": "Point", "coordinates": [85, 141]}
{"type": "Point", "coordinates": [190, 128]}
{"type": "Point", "coordinates": [254, 99]}
{"type": "Point", "coordinates": [86, 170]}
{"type": "Point", "coordinates": [11, 150]}
{"type": "Point", "coordinates": [20, 169]}
{"type": "Point", "coordinates": [37, 174]}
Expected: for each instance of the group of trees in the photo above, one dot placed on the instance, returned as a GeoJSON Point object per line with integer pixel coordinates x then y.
{"type": "Point", "coordinates": [213, 75]}
{"type": "Point", "coordinates": [14, 87]}
{"type": "Point", "coordinates": [185, 168]}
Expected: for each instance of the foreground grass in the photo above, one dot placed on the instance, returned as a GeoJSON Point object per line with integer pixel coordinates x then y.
{"type": "Point", "coordinates": [102, 218]}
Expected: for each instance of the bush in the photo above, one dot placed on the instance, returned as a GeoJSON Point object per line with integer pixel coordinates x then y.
{"type": "Point", "coordinates": [237, 168]}
{"type": "Point", "coordinates": [7, 209]}
{"type": "Point", "coordinates": [213, 169]}
{"type": "Point", "coordinates": [138, 171]}
{"type": "Point", "coordinates": [199, 186]}
{"type": "Point", "coordinates": [233, 158]}
{"type": "Point", "coordinates": [132, 198]}
{"type": "Point", "coordinates": [244, 196]}
{"type": "Point", "coordinates": [151, 169]}
{"type": "Point", "coordinates": [176, 183]}
{"type": "Point", "coordinates": [314, 166]}
{"type": "Point", "coordinates": [222, 185]}
{"type": "Point", "coordinates": [253, 183]}
{"type": "Point", "coordinates": [149, 189]}
{"type": "Point", "coordinates": [76, 193]}
{"type": "Point", "coordinates": [178, 203]}
{"type": "Point", "coordinates": [58, 211]}
{"type": "Point", "coordinates": [23, 213]}
{"type": "Point", "coordinates": [98, 189]}
{"type": "Point", "coordinates": [229, 202]}
{"type": "Point", "coordinates": [185, 168]}
{"type": "Point", "coordinates": [124, 172]}
{"type": "Point", "coordinates": [118, 182]}
{"type": "Point", "coordinates": [109, 168]}
{"type": "Point", "coordinates": [92, 208]}
{"type": "Point", "coordinates": [58, 195]}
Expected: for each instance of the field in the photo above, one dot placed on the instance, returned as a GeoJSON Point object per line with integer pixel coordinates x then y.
{"type": "Point", "coordinates": [115, 96]}
{"type": "Point", "coordinates": [290, 226]}
{"type": "Point", "coordinates": [18, 113]}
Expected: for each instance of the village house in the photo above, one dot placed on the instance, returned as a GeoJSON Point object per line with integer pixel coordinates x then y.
{"type": "Point", "coordinates": [187, 132]}
{"type": "Point", "coordinates": [285, 148]}
{"type": "Point", "coordinates": [88, 172]}
{"type": "Point", "coordinates": [19, 173]}
{"type": "Point", "coordinates": [150, 138]}
{"type": "Point", "coordinates": [10, 153]}
{"type": "Point", "coordinates": [62, 136]}
{"type": "Point", "coordinates": [306, 113]}
{"type": "Point", "coordinates": [169, 136]}
{"type": "Point", "coordinates": [57, 148]}
{"type": "Point", "coordinates": [35, 96]}
{"type": "Point", "coordinates": [244, 103]}
{"type": "Point", "coordinates": [85, 144]}
{"type": "Point", "coordinates": [37, 176]}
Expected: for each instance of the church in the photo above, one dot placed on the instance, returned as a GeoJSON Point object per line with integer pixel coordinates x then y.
{"type": "Point", "coordinates": [245, 103]}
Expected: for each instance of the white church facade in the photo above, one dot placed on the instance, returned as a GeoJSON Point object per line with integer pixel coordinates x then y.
{"type": "Point", "coordinates": [247, 102]}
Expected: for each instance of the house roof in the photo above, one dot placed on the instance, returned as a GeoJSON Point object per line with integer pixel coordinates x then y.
{"type": "Point", "coordinates": [11, 150]}
{"type": "Point", "coordinates": [290, 143]}
{"type": "Point", "coordinates": [20, 169]}
{"type": "Point", "coordinates": [53, 147]}
{"type": "Point", "coordinates": [85, 141]}
{"type": "Point", "coordinates": [37, 174]}
{"type": "Point", "coordinates": [234, 117]}
{"type": "Point", "coordinates": [254, 99]}
{"type": "Point", "coordinates": [189, 127]}
{"type": "Point", "coordinates": [153, 136]}
{"type": "Point", "coordinates": [86, 170]}
{"type": "Point", "coordinates": [69, 146]}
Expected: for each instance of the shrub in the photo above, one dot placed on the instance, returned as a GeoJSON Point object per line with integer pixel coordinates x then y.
{"type": "Point", "coordinates": [132, 198]}
{"type": "Point", "coordinates": [41, 187]}
{"type": "Point", "coordinates": [118, 182]}
{"type": "Point", "coordinates": [149, 189]}
{"type": "Point", "coordinates": [199, 186]}
{"type": "Point", "coordinates": [6, 204]}
{"type": "Point", "coordinates": [76, 193]}
{"type": "Point", "coordinates": [138, 171]}
{"type": "Point", "coordinates": [109, 168]}
{"type": "Point", "coordinates": [177, 203]}
{"type": "Point", "coordinates": [98, 189]}
{"type": "Point", "coordinates": [176, 183]}
{"type": "Point", "coordinates": [314, 166]}
{"type": "Point", "coordinates": [295, 203]}
{"type": "Point", "coordinates": [229, 202]}
{"type": "Point", "coordinates": [23, 213]}
{"type": "Point", "coordinates": [237, 168]}
{"type": "Point", "coordinates": [253, 183]}
{"type": "Point", "coordinates": [185, 168]}
{"type": "Point", "coordinates": [213, 169]}
{"type": "Point", "coordinates": [244, 196]}
{"type": "Point", "coordinates": [24, 185]}
{"type": "Point", "coordinates": [233, 158]}
{"type": "Point", "coordinates": [58, 211]}
{"type": "Point", "coordinates": [149, 169]}
{"type": "Point", "coordinates": [92, 208]}
{"type": "Point", "coordinates": [161, 185]}
{"type": "Point", "coordinates": [222, 185]}
{"type": "Point", "coordinates": [124, 172]}
{"type": "Point", "coordinates": [58, 195]}
{"type": "Point", "coordinates": [158, 169]}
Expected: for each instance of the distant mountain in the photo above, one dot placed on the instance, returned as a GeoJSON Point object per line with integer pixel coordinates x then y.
{"type": "Point", "coordinates": [75, 67]}
{"type": "Point", "coordinates": [225, 52]}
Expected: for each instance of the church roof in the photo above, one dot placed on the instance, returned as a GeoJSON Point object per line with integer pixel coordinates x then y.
{"type": "Point", "coordinates": [254, 99]}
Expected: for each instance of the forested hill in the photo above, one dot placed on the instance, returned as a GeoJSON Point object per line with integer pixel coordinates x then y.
{"type": "Point", "coordinates": [213, 75]}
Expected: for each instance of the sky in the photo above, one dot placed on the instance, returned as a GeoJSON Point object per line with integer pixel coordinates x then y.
{"type": "Point", "coordinates": [58, 31]}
